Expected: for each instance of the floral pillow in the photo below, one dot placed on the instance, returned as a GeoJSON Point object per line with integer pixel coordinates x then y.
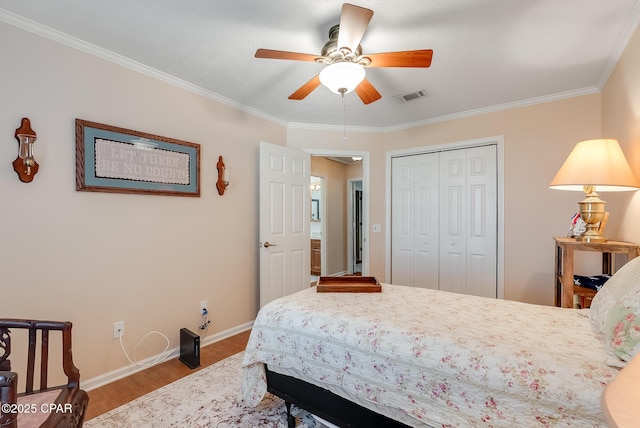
{"type": "Point", "coordinates": [625, 280]}
{"type": "Point", "coordinates": [622, 327]}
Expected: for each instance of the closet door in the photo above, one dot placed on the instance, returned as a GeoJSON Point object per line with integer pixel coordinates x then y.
{"type": "Point", "coordinates": [402, 220]}
{"type": "Point", "coordinates": [468, 221]}
{"type": "Point", "coordinates": [426, 239]}
{"type": "Point", "coordinates": [444, 221]}
{"type": "Point", "coordinates": [414, 252]}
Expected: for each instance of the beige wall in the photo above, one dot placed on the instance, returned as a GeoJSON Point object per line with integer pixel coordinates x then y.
{"type": "Point", "coordinates": [537, 139]}
{"type": "Point", "coordinates": [96, 258]}
{"type": "Point", "coordinates": [621, 120]}
{"type": "Point", "coordinates": [354, 171]}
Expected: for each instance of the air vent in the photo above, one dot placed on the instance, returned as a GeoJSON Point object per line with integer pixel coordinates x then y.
{"type": "Point", "coordinates": [411, 96]}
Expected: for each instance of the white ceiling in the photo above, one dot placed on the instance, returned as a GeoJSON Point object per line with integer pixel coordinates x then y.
{"type": "Point", "coordinates": [488, 54]}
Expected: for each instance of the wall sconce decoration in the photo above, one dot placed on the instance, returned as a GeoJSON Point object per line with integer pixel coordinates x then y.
{"type": "Point", "coordinates": [223, 177]}
{"type": "Point", "coordinates": [25, 165]}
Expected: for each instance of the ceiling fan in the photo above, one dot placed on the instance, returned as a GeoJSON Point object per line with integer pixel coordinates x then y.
{"type": "Point", "coordinates": [343, 56]}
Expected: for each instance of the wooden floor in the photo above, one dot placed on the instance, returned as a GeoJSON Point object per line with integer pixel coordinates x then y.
{"type": "Point", "coordinates": [117, 393]}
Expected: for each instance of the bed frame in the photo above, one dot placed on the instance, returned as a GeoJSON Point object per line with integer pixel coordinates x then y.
{"type": "Point", "coordinates": [324, 404]}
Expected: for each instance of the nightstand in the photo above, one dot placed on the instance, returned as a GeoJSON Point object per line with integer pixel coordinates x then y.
{"type": "Point", "coordinates": [565, 290]}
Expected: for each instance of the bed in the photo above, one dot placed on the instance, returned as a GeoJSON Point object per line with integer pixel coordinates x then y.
{"type": "Point", "coordinates": [425, 358]}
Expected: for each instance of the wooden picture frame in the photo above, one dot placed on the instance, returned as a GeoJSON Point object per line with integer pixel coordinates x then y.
{"type": "Point", "coordinates": [118, 160]}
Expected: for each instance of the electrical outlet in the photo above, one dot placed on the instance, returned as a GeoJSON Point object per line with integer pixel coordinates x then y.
{"type": "Point", "coordinates": [118, 329]}
{"type": "Point", "coordinates": [203, 307]}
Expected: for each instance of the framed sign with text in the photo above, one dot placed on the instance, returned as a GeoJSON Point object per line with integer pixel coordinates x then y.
{"type": "Point", "coordinates": [118, 160]}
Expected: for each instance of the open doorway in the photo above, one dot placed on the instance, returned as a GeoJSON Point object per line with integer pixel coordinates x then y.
{"type": "Point", "coordinates": [355, 235]}
{"type": "Point", "coordinates": [343, 244]}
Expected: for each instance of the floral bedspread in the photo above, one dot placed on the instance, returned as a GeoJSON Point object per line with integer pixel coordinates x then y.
{"type": "Point", "coordinates": [440, 359]}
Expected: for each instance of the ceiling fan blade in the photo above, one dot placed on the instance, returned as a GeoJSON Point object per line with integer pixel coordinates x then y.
{"type": "Point", "coordinates": [367, 92]}
{"type": "Point", "coordinates": [306, 89]}
{"type": "Point", "coordinates": [419, 58]}
{"type": "Point", "coordinates": [353, 24]}
{"type": "Point", "coordinates": [295, 56]}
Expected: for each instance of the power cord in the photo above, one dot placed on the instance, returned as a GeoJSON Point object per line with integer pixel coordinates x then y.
{"type": "Point", "coordinates": [205, 322]}
{"type": "Point", "coordinates": [160, 358]}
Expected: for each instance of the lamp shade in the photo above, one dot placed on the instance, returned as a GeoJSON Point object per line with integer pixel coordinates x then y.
{"type": "Point", "coordinates": [342, 77]}
{"type": "Point", "coordinates": [599, 163]}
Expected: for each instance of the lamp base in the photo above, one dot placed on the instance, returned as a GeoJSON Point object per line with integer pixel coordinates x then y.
{"type": "Point", "coordinates": [591, 238]}
{"type": "Point", "coordinates": [592, 211]}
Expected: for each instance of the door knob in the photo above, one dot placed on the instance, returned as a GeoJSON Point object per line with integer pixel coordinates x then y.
{"type": "Point", "coordinates": [267, 244]}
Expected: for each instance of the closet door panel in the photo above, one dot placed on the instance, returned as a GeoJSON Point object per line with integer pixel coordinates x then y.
{"type": "Point", "coordinates": [402, 221]}
{"type": "Point", "coordinates": [483, 211]}
{"type": "Point", "coordinates": [426, 240]}
{"type": "Point", "coordinates": [453, 221]}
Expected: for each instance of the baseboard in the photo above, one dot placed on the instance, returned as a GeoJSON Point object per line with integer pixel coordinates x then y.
{"type": "Point", "coordinates": [125, 371]}
{"type": "Point", "coordinates": [344, 272]}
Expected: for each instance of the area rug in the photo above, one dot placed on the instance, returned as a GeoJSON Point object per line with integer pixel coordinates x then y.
{"type": "Point", "coordinates": [207, 398]}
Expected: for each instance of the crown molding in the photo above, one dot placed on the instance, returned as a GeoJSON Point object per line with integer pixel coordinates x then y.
{"type": "Point", "coordinates": [461, 115]}
{"type": "Point", "coordinates": [495, 108]}
{"type": "Point", "coordinates": [65, 39]}
{"type": "Point", "coordinates": [621, 44]}
{"type": "Point", "coordinates": [81, 45]}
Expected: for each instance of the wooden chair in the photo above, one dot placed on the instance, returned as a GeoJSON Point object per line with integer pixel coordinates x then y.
{"type": "Point", "coordinates": [59, 406]}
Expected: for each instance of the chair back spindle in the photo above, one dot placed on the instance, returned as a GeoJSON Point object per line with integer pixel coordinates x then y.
{"type": "Point", "coordinates": [71, 394]}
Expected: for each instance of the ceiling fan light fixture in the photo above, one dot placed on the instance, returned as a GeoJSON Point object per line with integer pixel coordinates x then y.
{"type": "Point", "coordinates": [342, 77]}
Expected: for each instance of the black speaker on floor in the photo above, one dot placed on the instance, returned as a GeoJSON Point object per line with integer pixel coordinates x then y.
{"type": "Point", "coordinates": [189, 348]}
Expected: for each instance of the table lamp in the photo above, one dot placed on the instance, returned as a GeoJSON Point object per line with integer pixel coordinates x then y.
{"type": "Point", "coordinates": [595, 164]}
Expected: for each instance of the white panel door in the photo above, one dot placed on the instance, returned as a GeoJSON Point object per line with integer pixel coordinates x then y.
{"type": "Point", "coordinates": [414, 222]}
{"type": "Point", "coordinates": [427, 241]}
{"type": "Point", "coordinates": [482, 229]}
{"type": "Point", "coordinates": [402, 221]}
{"type": "Point", "coordinates": [284, 221]}
{"type": "Point", "coordinates": [453, 221]}
{"type": "Point", "coordinates": [468, 221]}
{"type": "Point", "coordinates": [444, 220]}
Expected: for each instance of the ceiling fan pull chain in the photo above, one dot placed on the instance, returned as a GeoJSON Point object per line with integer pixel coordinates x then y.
{"type": "Point", "coordinates": [344, 119]}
